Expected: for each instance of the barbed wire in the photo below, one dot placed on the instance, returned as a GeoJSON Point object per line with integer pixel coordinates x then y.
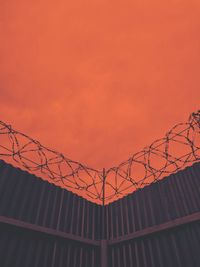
{"type": "Point", "coordinates": [177, 149]}
{"type": "Point", "coordinates": [31, 155]}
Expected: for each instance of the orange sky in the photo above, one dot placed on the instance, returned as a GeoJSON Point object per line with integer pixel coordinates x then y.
{"type": "Point", "coordinates": [98, 80]}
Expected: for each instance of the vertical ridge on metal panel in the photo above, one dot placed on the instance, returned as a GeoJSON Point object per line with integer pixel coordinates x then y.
{"type": "Point", "coordinates": [104, 253]}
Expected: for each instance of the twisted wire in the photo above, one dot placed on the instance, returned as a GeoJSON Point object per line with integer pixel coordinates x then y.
{"type": "Point", "coordinates": [31, 155]}
{"type": "Point", "coordinates": [179, 148]}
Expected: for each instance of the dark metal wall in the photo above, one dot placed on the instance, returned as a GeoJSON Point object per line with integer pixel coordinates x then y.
{"type": "Point", "coordinates": [28, 198]}
{"type": "Point", "coordinates": [179, 247]}
{"type": "Point", "coordinates": [22, 248]}
{"type": "Point", "coordinates": [173, 197]}
{"type": "Point", "coordinates": [33, 205]}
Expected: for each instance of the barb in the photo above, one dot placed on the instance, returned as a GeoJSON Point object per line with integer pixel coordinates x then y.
{"type": "Point", "coordinates": [31, 155]}
{"type": "Point", "coordinates": [180, 147]}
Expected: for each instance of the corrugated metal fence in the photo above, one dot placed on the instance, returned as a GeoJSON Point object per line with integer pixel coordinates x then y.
{"type": "Point", "coordinates": [43, 225]}
{"type": "Point", "coordinates": [175, 196]}
{"type": "Point", "coordinates": [133, 218]}
{"type": "Point", "coordinates": [25, 197]}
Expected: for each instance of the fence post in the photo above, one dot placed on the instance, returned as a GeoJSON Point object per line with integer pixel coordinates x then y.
{"type": "Point", "coordinates": [103, 186]}
{"type": "Point", "coordinates": [103, 234]}
{"type": "Point", "coordinates": [104, 242]}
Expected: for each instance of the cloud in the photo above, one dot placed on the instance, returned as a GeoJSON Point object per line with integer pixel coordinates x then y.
{"type": "Point", "coordinates": [98, 80]}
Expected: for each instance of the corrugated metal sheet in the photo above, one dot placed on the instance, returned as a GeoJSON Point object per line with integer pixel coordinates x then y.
{"type": "Point", "coordinates": [175, 248]}
{"type": "Point", "coordinates": [175, 196]}
{"type": "Point", "coordinates": [21, 248]}
{"type": "Point", "coordinates": [27, 198]}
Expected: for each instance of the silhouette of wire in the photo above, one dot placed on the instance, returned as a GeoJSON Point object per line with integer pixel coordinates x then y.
{"type": "Point", "coordinates": [177, 149]}
{"type": "Point", "coordinates": [36, 158]}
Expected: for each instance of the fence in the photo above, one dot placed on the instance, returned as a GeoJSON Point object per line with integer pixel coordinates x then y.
{"type": "Point", "coordinates": [44, 225]}
{"type": "Point", "coordinates": [47, 222]}
{"type": "Point", "coordinates": [179, 148]}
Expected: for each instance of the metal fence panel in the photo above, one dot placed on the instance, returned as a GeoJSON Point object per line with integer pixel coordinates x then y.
{"type": "Point", "coordinates": [173, 197]}
{"type": "Point", "coordinates": [28, 198]}
{"type": "Point", "coordinates": [175, 248]}
{"type": "Point", "coordinates": [77, 225]}
{"type": "Point", "coordinates": [22, 248]}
